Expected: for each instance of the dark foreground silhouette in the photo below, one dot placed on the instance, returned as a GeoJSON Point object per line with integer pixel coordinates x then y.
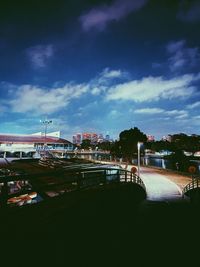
{"type": "Point", "coordinates": [106, 226]}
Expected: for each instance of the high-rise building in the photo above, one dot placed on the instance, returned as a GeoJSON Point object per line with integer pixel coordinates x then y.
{"type": "Point", "coordinates": [93, 137]}
{"type": "Point", "coordinates": [100, 138]}
{"type": "Point", "coordinates": [74, 139]}
{"type": "Point", "coordinates": [86, 136]}
{"type": "Point", "coordinates": [77, 139]}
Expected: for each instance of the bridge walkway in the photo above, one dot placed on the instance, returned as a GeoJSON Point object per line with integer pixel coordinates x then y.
{"type": "Point", "coordinates": [158, 186]}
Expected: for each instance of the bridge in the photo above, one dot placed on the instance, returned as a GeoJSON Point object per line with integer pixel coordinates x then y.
{"type": "Point", "coordinates": [77, 217]}
{"type": "Point", "coordinates": [192, 190]}
{"type": "Point", "coordinates": [70, 180]}
{"type": "Point", "coordinates": [159, 185]}
{"type": "Point", "coordinates": [163, 185]}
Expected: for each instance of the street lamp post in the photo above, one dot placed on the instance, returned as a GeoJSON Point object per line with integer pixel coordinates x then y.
{"type": "Point", "coordinates": [139, 146]}
{"type": "Point", "coordinates": [46, 123]}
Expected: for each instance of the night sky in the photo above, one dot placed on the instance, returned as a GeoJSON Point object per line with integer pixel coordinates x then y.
{"type": "Point", "coordinates": [100, 66]}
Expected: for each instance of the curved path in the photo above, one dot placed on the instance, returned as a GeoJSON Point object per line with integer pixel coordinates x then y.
{"type": "Point", "coordinates": [158, 186]}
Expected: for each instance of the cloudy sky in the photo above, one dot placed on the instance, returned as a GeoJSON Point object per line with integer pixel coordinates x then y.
{"type": "Point", "coordinates": [101, 66]}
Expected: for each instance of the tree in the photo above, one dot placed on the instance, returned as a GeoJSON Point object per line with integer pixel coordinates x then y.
{"type": "Point", "coordinates": [86, 144]}
{"type": "Point", "coordinates": [161, 145]}
{"type": "Point", "coordinates": [185, 142]}
{"type": "Point", "coordinates": [106, 145]}
{"type": "Point", "coordinates": [179, 160]}
{"type": "Point", "coordinates": [116, 149]}
{"type": "Point", "coordinates": [127, 144]}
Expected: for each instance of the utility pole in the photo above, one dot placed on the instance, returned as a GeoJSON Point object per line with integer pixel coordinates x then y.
{"type": "Point", "coordinates": [139, 144]}
{"type": "Point", "coordinates": [46, 123]}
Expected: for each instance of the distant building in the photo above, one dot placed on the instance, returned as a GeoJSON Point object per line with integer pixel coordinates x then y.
{"type": "Point", "coordinates": [86, 136]}
{"type": "Point", "coordinates": [93, 137]}
{"type": "Point", "coordinates": [100, 138]}
{"type": "Point", "coordinates": [74, 139]}
{"type": "Point", "coordinates": [77, 139]}
{"type": "Point", "coordinates": [150, 138]}
{"type": "Point", "coordinates": [32, 144]}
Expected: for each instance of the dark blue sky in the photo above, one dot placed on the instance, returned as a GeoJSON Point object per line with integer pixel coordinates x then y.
{"type": "Point", "coordinates": [101, 66]}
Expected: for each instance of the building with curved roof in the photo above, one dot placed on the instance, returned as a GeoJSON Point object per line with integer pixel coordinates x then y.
{"type": "Point", "coordinates": [32, 144]}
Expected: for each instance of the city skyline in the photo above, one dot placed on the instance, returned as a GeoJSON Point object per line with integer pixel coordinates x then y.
{"type": "Point", "coordinates": [101, 66]}
{"type": "Point", "coordinates": [93, 137]}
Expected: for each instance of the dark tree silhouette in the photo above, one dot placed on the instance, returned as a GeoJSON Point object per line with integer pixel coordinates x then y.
{"type": "Point", "coordinates": [127, 145]}
{"type": "Point", "coordinates": [86, 144]}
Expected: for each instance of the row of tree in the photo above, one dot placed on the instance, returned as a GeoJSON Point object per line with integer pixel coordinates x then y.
{"type": "Point", "coordinates": [126, 146]}
{"type": "Point", "coordinates": [128, 139]}
{"type": "Point", "coordinates": [178, 142]}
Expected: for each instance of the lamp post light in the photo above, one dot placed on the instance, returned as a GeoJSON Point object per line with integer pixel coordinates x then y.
{"type": "Point", "coordinates": [46, 123]}
{"type": "Point", "coordinates": [139, 144]}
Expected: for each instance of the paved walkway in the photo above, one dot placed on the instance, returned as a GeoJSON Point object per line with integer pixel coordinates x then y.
{"type": "Point", "coordinates": [158, 186]}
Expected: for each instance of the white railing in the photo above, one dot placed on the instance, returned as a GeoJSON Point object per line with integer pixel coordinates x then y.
{"type": "Point", "coordinates": [192, 185]}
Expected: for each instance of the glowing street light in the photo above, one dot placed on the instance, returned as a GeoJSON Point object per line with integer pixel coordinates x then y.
{"type": "Point", "coordinates": [139, 144]}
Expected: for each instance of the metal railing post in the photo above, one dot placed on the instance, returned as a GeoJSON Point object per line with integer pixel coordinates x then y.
{"type": "Point", "coordinates": [4, 194]}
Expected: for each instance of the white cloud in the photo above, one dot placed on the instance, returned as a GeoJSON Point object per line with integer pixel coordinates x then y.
{"type": "Point", "coordinates": [153, 89]}
{"type": "Point", "coordinates": [42, 101]}
{"type": "Point", "coordinates": [182, 56]}
{"type": "Point", "coordinates": [194, 105]}
{"type": "Point", "coordinates": [149, 111]}
{"type": "Point", "coordinates": [103, 80]}
{"type": "Point", "coordinates": [197, 117]}
{"type": "Point", "coordinates": [114, 113]}
{"type": "Point", "coordinates": [183, 116]}
{"type": "Point", "coordinates": [39, 55]}
{"type": "Point", "coordinates": [110, 74]}
{"type": "Point", "coordinates": [99, 17]}
{"type": "Point", "coordinates": [96, 90]}
{"type": "Point", "coordinates": [39, 100]}
{"type": "Point", "coordinates": [178, 114]}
